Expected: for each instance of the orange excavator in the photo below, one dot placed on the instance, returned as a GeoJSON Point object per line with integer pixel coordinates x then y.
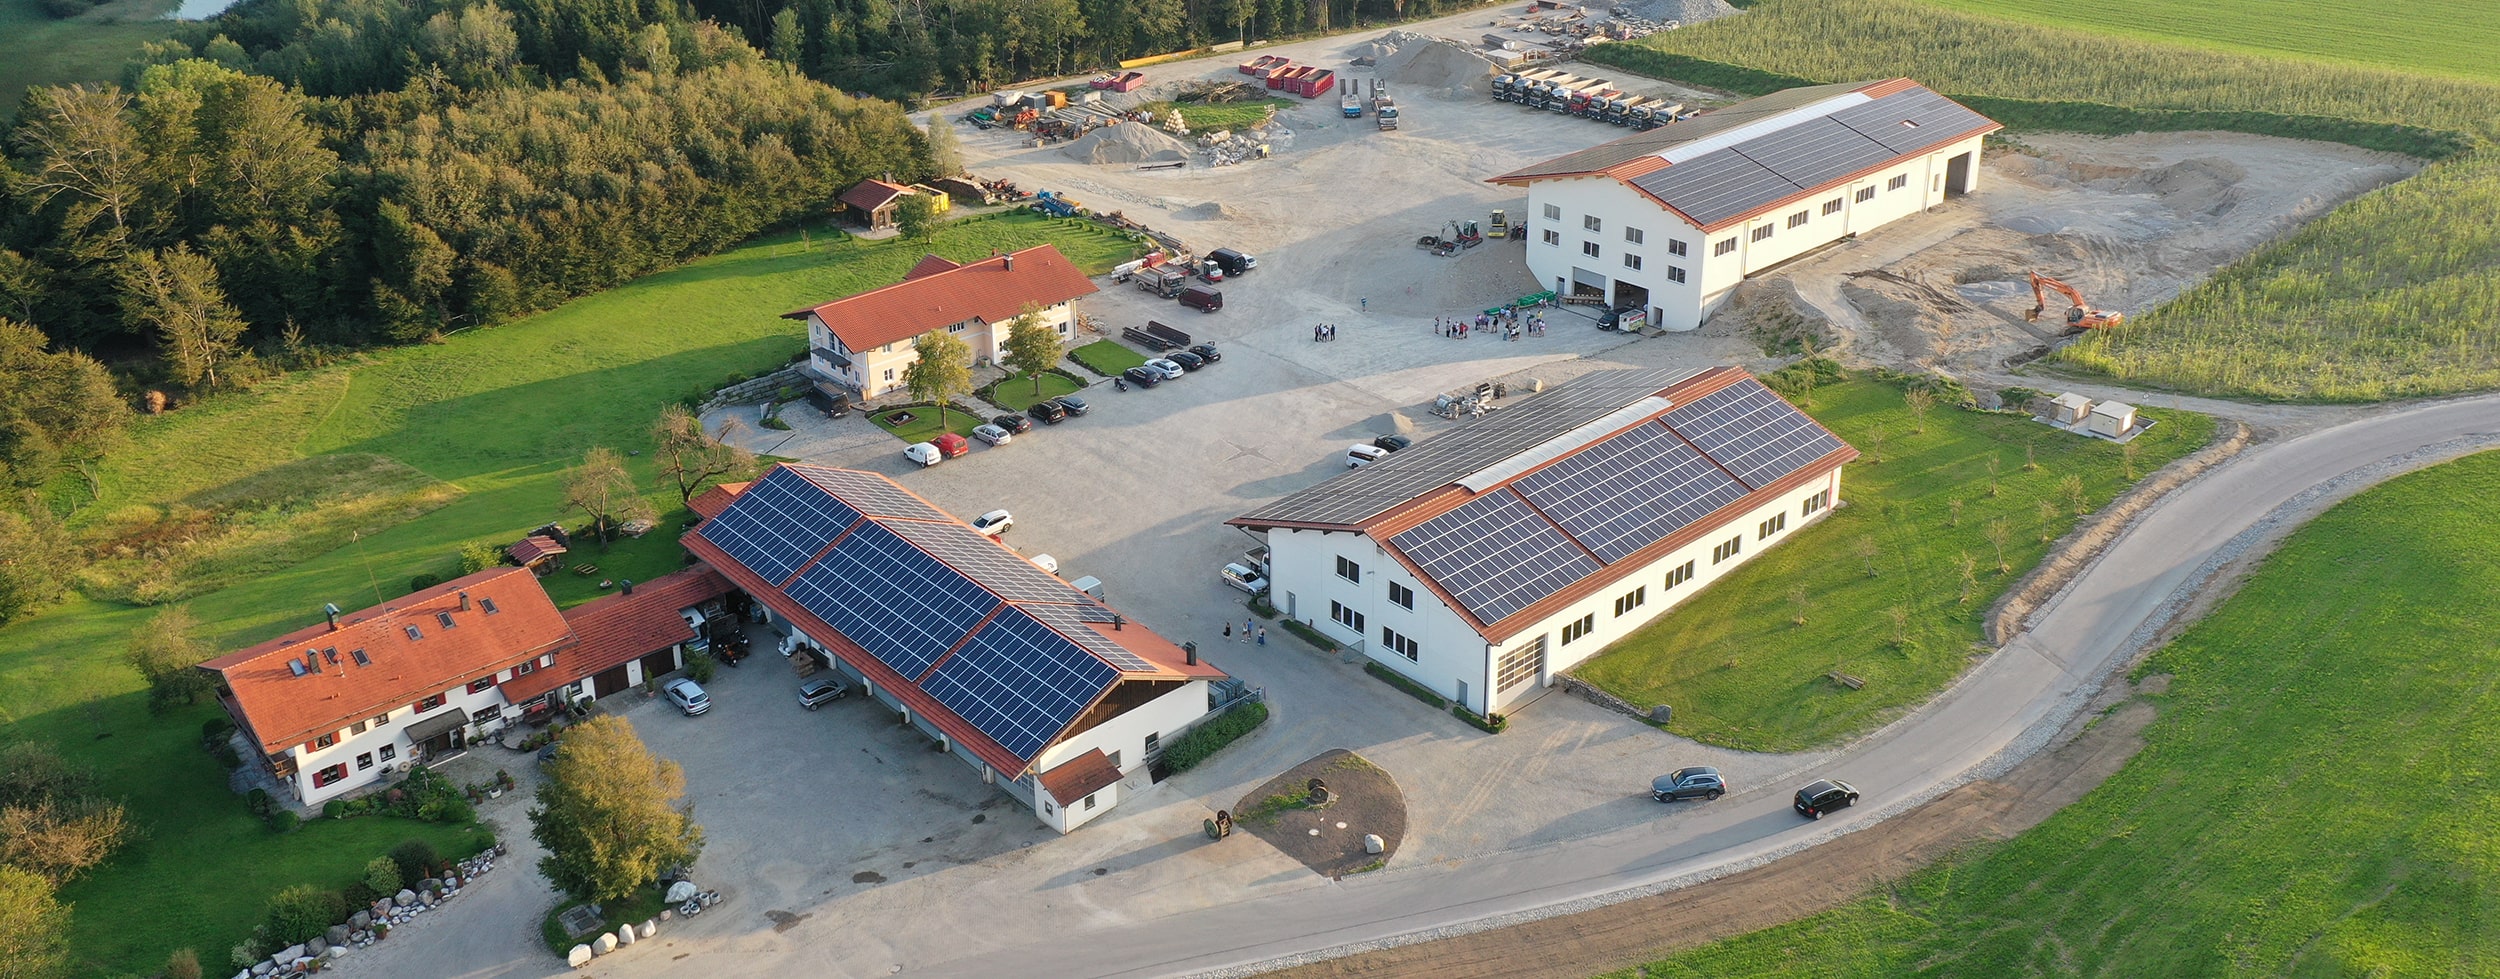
{"type": "Point", "coordinates": [2080, 315]}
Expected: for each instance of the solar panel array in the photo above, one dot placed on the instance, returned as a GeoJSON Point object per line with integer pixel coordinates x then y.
{"type": "Point", "coordinates": [1716, 185]}
{"type": "Point", "coordinates": [900, 605]}
{"type": "Point", "coordinates": [1815, 152]}
{"type": "Point", "coordinates": [1629, 491]}
{"type": "Point", "coordinates": [1752, 432]}
{"type": "Point", "coordinates": [1495, 555]}
{"type": "Point", "coordinates": [984, 560]}
{"type": "Point", "coordinates": [777, 524]}
{"type": "Point", "coordinates": [1731, 182]}
{"type": "Point", "coordinates": [1938, 119]}
{"type": "Point", "coordinates": [1071, 621]}
{"type": "Point", "coordinates": [1703, 126]}
{"type": "Point", "coordinates": [1019, 682]}
{"type": "Point", "coordinates": [870, 493]}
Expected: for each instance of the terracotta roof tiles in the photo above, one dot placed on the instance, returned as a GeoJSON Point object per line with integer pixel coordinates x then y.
{"type": "Point", "coordinates": [992, 290]}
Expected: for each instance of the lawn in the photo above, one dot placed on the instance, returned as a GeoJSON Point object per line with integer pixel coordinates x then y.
{"type": "Point", "coordinates": [2396, 294]}
{"type": "Point", "coordinates": [1017, 392]}
{"type": "Point", "coordinates": [1208, 117]}
{"type": "Point", "coordinates": [1741, 671]}
{"type": "Point", "coordinates": [36, 49]}
{"type": "Point", "coordinates": [925, 423]}
{"type": "Point", "coordinates": [1107, 357]}
{"type": "Point", "coordinates": [2445, 37]}
{"type": "Point", "coordinates": [2309, 802]}
{"type": "Point", "coordinates": [498, 414]}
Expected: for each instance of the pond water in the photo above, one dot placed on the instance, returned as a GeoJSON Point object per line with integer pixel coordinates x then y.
{"type": "Point", "coordinates": [200, 9]}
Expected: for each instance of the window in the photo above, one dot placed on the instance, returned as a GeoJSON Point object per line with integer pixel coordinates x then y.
{"type": "Point", "coordinates": [1777, 523]}
{"type": "Point", "coordinates": [1632, 262]}
{"type": "Point", "coordinates": [957, 328]}
{"type": "Point", "coordinates": [414, 633]}
{"type": "Point", "coordinates": [1553, 212]}
{"type": "Point", "coordinates": [889, 374]}
{"type": "Point", "coordinates": [1631, 600]}
{"type": "Point", "coordinates": [482, 684]}
{"type": "Point", "coordinates": [1724, 247]}
{"type": "Point", "coordinates": [1402, 645]}
{"type": "Point", "coordinates": [1553, 237]}
{"type": "Point", "coordinates": [1154, 743]}
{"type": "Point", "coordinates": [1680, 575]}
{"type": "Point", "coordinates": [1349, 570]}
{"type": "Point", "coordinates": [325, 741]}
{"type": "Point", "coordinates": [364, 761]}
{"type": "Point", "coordinates": [1897, 183]}
{"type": "Point", "coordinates": [1762, 233]}
{"type": "Point", "coordinates": [525, 669]}
{"type": "Point", "coordinates": [1831, 207]}
{"type": "Point", "coordinates": [1346, 616]}
{"type": "Point", "coordinates": [1798, 220]}
{"type": "Point", "coordinates": [359, 656]}
{"type": "Point", "coordinates": [356, 728]}
{"type": "Point", "coordinates": [489, 605]}
{"type": "Point", "coordinates": [1589, 248]}
{"type": "Point", "coordinates": [329, 775]}
{"type": "Point", "coordinates": [388, 752]}
{"type": "Point", "coordinates": [1728, 549]}
{"type": "Point", "coordinates": [1586, 625]}
{"type": "Point", "coordinates": [1865, 194]}
{"type": "Point", "coordinates": [429, 703]}
{"type": "Point", "coordinates": [1816, 502]}
{"type": "Point", "coordinates": [1675, 273]}
{"type": "Point", "coordinates": [1115, 760]}
{"type": "Point", "coordinates": [1521, 664]}
{"type": "Point", "coordinates": [1089, 802]}
{"type": "Point", "coordinates": [444, 618]}
{"type": "Point", "coordinates": [381, 719]}
{"type": "Point", "coordinates": [1632, 235]}
{"type": "Point", "coordinates": [1675, 247]}
{"type": "Point", "coordinates": [1591, 222]}
{"type": "Point", "coordinates": [1401, 595]}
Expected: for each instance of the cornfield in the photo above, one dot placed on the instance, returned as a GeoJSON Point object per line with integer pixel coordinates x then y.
{"type": "Point", "coordinates": [2395, 294]}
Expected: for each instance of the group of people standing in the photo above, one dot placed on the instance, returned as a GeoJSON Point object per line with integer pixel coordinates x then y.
{"type": "Point", "coordinates": [1324, 332]}
{"type": "Point", "coordinates": [1508, 322]}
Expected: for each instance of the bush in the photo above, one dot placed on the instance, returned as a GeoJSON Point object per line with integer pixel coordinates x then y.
{"type": "Point", "coordinates": [1187, 751]}
{"type": "Point", "coordinates": [1793, 380]}
{"type": "Point", "coordinates": [334, 809]}
{"type": "Point", "coordinates": [215, 731]}
{"type": "Point", "coordinates": [301, 913]}
{"type": "Point", "coordinates": [423, 582]}
{"type": "Point", "coordinates": [284, 820]}
{"type": "Point", "coordinates": [476, 556]}
{"type": "Point", "coordinates": [414, 858]}
{"type": "Point", "coordinates": [183, 964]}
{"type": "Point", "coordinates": [1400, 681]}
{"type": "Point", "coordinates": [701, 666]}
{"type": "Point", "coordinates": [227, 756]}
{"type": "Point", "coordinates": [2019, 398]}
{"type": "Point", "coordinates": [1311, 635]}
{"type": "Point", "coordinates": [1489, 725]}
{"type": "Point", "coordinates": [257, 802]}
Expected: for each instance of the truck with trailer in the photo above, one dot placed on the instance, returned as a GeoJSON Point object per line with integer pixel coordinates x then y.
{"type": "Point", "coordinates": [1564, 93]}
{"type": "Point", "coordinates": [1350, 103]}
{"type": "Point", "coordinates": [1591, 103]}
{"type": "Point", "coordinates": [1658, 113]}
{"type": "Point", "coordinates": [1384, 108]}
{"type": "Point", "coordinates": [1515, 87]}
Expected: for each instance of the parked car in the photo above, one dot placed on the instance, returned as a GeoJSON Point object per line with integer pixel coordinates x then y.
{"type": "Point", "coordinates": [1076, 406]}
{"type": "Point", "coordinates": [1169, 368]}
{"type": "Point", "coordinates": [1187, 360]}
{"type": "Point", "coordinates": [1392, 443]}
{"type": "Point", "coordinates": [1045, 562]}
{"type": "Point", "coordinates": [924, 453]}
{"type": "Point", "coordinates": [1143, 376]}
{"type": "Point", "coordinates": [1202, 299]}
{"type": "Point", "coordinates": [818, 691]}
{"type": "Point", "coordinates": [952, 445]}
{"type": "Point", "coordinates": [1825, 795]}
{"type": "Point", "coordinates": [1245, 579]}
{"type": "Point", "coordinates": [1048, 412]}
{"type": "Point", "coordinates": [687, 695]}
{"type": "Point", "coordinates": [1701, 782]}
{"type": "Point", "coordinates": [1207, 352]}
{"type": "Point", "coordinates": [994, 522]}
{"type": "Point", "coordinates": [993, 435]}
{"type": "Point", "coordinates": [1013, 423]}
{"type": "Point", "coordinates": [1362, 454]}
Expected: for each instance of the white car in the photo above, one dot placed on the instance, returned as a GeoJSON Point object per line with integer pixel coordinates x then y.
{"type": "Point", "coordinates": [924, 453]}
{"type": "Point", "coordinates": [687, 695]}
{"type": "Point", "coordinates": [1244, 579]}
{"type": "Point", "coordinates": [1362, 454]}
{"type": "Point", "coordinates": [994, 523]}
{"type": "Point", "coordinates": [993, 435]}
{"type": "Point", "coordinates": [1167, 367]}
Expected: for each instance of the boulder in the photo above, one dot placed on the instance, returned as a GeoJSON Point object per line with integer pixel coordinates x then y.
{"type": "Point", "coordinates": [646, 929]}
{"type": "Point", "coordinates": [681, 891]}
{"type": "Point", "coordinates": [578, 957]}
{"type": "Point", "coordinates": [335, 953]}
{"type": "Point", "coordinates": [667, 914]}
{"type": "Point", "coordinates": [263, 968]}
{"type": "Point", "coordinates": [430, 884]}
{"type": "Point", "coordinates": [1372, 843]}
{"type": "Point", "coordinates": [451, 883]}
{"type": "Point", "coordinates": [625, 935]}
{"type": "Point", "coordinates": [314, 946]}
{"type": "Point", "coordinates": [404, 898]}
{"type": "Point", "coordinates": [605, 943]}
{"type": "Point", "coordinates": [339, 934]}
{"type": "Point", "coordinates": [360, 921]}
{"type": "Point", "coordinates": [289, 956]}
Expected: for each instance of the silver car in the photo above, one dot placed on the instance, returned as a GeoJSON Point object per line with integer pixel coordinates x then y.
{"type": "Point", "coordinates": [687, 695]}
{"type": "Point", "coordinates": [819, 691]}
{"type": "Point", "coordinates": [1169, 369]}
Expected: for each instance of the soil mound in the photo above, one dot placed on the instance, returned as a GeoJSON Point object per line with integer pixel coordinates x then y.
{"type": "Point", "coordinates": [1209, 211]}
{"type": "Point", "coordinates": [1411, 61]}
{"type": "Point", "coordinates": [1127, 142]}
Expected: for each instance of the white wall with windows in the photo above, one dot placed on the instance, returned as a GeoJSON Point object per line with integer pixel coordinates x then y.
{"type": "Point", "coordinates": [1124, 738]}
{"type": "Point", "coordinates": [369, 749]}
{"type": "Point", "coordinates": [867, 371]}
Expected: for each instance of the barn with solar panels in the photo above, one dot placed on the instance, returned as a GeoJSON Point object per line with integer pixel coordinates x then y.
{"type": "Point", "coordinates": [1042, 689]}
{"type": "Point", "coordinates": [1484, 561]}
{"type": "Point", "coordinates": [1670, 220]}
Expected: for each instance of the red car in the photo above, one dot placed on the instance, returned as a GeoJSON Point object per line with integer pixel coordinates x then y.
{"type": "Point", "coordinates": [951, 445]}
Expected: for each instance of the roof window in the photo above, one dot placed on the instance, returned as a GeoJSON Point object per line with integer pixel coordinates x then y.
{"type": "Point", "coordinates": [295, 666]}
{"type": "Point", "coordinates": [360, 657]}
{"type": "Point", "coordinates": [414, 634]}
{"type": "Point", "coordinates": [488, 604]}
{"type": "Point", "coordinates": [330, 655]}
{"type": "Point", "coordinates": [444, 618]}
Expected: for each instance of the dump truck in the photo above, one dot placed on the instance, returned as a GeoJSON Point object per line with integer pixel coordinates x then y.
{"type": "Point", "coordinates": [1162, 280]}
{"type": "Point", "coordinates": [1591, 103]}
{"type": "Point", "coordinates": [1655, 114]}
{"type": "Point", "coordinates": [1565, 94]}
{"type": "Point", "coordinates": [1384, 108]}
{"type": "Point", "coordinates": [1519, 86]}
{"type": "Point", "coordinates": [1054, 205]}
{"type": "Point", "coordinates": [1350, 103]}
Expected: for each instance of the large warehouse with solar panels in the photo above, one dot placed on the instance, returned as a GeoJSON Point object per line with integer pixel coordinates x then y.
{"type": "Point", "coordinates": [1484, 561]}
{"type": "Point", "coordinates": [1042, 689]}
{"type": "Point", "coordinates": [1668, 221]}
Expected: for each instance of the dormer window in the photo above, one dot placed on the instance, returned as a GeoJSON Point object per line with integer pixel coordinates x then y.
{"type": "Point", "coordinates": [413, 634]}
{"type": "Point", "coordinates": [444, 618]}
{"type": "Point", "coordinates": [325, 740]}
{"type": "Point", "coordinates": [488, 604]}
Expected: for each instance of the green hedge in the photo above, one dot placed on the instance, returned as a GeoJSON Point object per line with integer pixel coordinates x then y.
{"type": "Point", "coordinates": [1399, 680]}
{"type": "Point", "coordinates": [1495, 724]}
{"type": "Point", "coordinates": [1311, 635]}
{"type": "Point", "coordinates": [1208, 738]}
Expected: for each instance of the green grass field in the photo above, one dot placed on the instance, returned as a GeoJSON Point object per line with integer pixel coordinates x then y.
{"type": "Point", "coordinates": [1107, 357]}
{"type": "Point", "coordinates": [498, 413]}
{"type": "Point", "coordinates": [1018, 394]}
{"type": "Point", "coordinates": [1741, 672]}
{"type": "Point", "coordinates": [2311, 800]}
{"type": "Point", "coordinates": [35, 49]}
{"type": "Point", "coordinates": [927, 422]}
{"type": "Point", "coordinates": [2396, 294]}
{"type": "Point", "coordinates": [2445, 37]}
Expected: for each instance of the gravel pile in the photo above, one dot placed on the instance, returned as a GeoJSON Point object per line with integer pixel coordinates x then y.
{"type": "Point", "coordinates": [1127, 142]}
{"type": "Point", "coordinates": [1409, 61]}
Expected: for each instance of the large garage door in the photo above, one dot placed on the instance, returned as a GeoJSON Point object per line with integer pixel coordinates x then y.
{"type": "Point", "coordinates": [612, 681]}
{"type": "Point", "coordinates": [659, 663]}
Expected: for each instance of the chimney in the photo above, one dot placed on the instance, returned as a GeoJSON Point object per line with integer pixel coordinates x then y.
{"type": "Point", "coordinates": [627, 585]}
{"type": "Point", "coordinates": [332, 610]}
{"type": "Point", "coordinates": [464, 601]}
{"type": "Point", "coordinates": [1191, 649]}
{"type": "Point", "coordinates": [1118, 622]}
{"type": "Point", "coordinates": [1011, 261]}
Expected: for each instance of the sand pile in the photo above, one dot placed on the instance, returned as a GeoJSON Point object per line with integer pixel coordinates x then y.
{"type": "Point", "coordinates": [1127, 142]}
{"type": "Point", "coordinates": [1410, 62]}
{"type": "Point", "coordinates": [1209, 211]}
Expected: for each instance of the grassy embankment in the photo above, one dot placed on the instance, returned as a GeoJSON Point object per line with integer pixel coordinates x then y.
{"type": "Point", "coordinates": [1878, 583]}
{"type": "Point", "coordinates": [2394, 295]}
{"type": "Point", "coordinates": [36, 49]}
{"type": "Point", "coordinates": [2308, 803]}
{"type": "Point", "coordinates": [496, 416]}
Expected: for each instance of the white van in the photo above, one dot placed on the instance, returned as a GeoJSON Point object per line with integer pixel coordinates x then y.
{"type": "Point", "coordinates": [1361, 454]}
{"type": "Point", "coordinates": [924, 453]}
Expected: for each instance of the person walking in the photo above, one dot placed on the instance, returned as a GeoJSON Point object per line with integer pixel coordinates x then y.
{"type": "Point", "coordinates": [1262, 635]}
{"type": "Point", "coordinates": [1228, 630]}
{"type": "Point", "coordinates": [1245, 630]}
{"type": "Point", "coordinates": [1367, 304]}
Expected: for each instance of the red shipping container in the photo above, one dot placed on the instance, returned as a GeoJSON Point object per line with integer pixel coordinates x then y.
{"type": "Point", "coordinates": [1318, 84]}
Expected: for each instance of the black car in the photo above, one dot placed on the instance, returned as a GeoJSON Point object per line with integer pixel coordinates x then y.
{"type": "Point", "coordinates": [1144, 377]}
{"type": "Point", "coordinates": [1392, 443]}
{"type": "Point", "coordinates": [1688, 783]}
{"type": "Point", "coordinates": [1823, 796]}
{"type": "Point", "coordinates": [1017, 424]}
{"type": "Point", "coordinates": [1048, 412]}
{"type": "Point", "coordinates": [1207, 352]}
{"type": "Point", "coordinates": [1076, 406]}
{"type": "Point", "coordinates": [1187, 360]}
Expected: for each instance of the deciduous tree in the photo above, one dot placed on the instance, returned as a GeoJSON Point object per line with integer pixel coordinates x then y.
{"type": "Point", "coordinates": [610, 813]}
{"type": "Point", "coordinates": [167, 652]}
{"type": "Point", "coordinates": [61, 839]}
{"type": "Point", "coordinates": [691, 457]}
{"type": "Point", "coordinates": [946, 155]}
{"type": "Point", "coordinates": [603, 491]}
{"type": "Point", "coordinates": [942, 372]}
{"type": "Point", "coordinates": [916, 214]}
{"type": "Point", "coordinates": [37, 558]}
{"type": "Point", "coordinates": [1032, 348]}
{"type": "Point", "coordinates": [174, 294]}
{"type": "Point", "coordinates": [34, 927]}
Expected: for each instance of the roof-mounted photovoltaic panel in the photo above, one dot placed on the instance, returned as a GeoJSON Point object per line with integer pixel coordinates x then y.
{"type": "Point", "coordinates": [1071, 621]}
{"type": "Point", "coordinates": [1629, 491]}
{"type": "Point", "coordinates": [1912, 120]}
{"type": "Point", "coordinates": [869, 493]}
{"type": "Point", "coordinates": [1752, 432]}
{"type": "Point", "coordinates": [1019, 682]}
{"type": "Point", "coordinates": [987, 562]}
{"type": "Point", "coordinates": [1815, 151]}
{"type": "Point", "coordinates": [1495, 555]}
{"type": "Point", "coordinates": [777, 524]}
{"type": "Point", "coordinates": [1716, 186]}
{"type": "Point", "coordinates": [899, 604]}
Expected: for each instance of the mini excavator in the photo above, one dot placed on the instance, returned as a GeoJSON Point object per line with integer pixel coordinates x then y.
{"type": "Point", "coordinates": [2079, 315]}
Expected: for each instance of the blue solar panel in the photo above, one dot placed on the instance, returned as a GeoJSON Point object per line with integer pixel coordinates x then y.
{"type": "Point", "coordinates": [777, 524]}
{"type": "Point", "coordinates": [869, 493]}
{"type": "Point", "coordinates": [899, 604]}
{"type": "Point", "coordinates": [1495, 555]}
{"type": "Point", "coordinates": [1019, 682]}
{"type": "Point", "coordinates": [1629, 491]}
{"type": "Point", "coordinates": [1752, 432]}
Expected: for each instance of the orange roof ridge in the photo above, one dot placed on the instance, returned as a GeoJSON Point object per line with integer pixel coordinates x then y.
{"type": "Point", "coordinates": [992, 290]}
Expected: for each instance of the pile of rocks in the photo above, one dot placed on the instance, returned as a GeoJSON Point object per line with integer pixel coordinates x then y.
{"type": "Point", "coordinates": [371, 924]}
{"type": "Point", "coordinates": [687, 899]}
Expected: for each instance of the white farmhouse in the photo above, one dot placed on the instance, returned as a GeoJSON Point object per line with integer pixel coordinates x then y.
{"type": "Point", "coordinates": [1668, 221]}
{"type": "Point", "coordinates": [1484, 561]}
